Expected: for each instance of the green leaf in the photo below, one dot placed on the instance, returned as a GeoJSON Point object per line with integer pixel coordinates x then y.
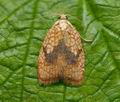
{"type": "Point", "coordinates": [23, 25]}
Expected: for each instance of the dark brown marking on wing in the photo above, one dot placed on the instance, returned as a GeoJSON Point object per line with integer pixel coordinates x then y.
{"type": "Point", "coordinates": [62, 50]}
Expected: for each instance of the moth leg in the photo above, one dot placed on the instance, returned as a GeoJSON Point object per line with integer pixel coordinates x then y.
{"type": "Point", "coordinates": [86, 40]}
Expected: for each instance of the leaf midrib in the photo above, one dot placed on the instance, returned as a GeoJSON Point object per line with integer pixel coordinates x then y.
{"type": "Point", "coordinates": [35, 9]}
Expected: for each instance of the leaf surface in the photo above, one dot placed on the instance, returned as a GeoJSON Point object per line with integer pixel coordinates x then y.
{"type": "Point", "coordinates": [23, 26]}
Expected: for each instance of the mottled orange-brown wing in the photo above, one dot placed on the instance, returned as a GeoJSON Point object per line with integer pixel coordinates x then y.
{"type": "Point", "coordinates": [49, 72]}
{"type": "Point", "coordinates": [73, 73]}
{"type": "Point", "coordinates": [62, 55]}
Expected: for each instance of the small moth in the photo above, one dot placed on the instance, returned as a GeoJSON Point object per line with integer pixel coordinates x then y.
{"type": "Point", "coordinates": [61, 56]}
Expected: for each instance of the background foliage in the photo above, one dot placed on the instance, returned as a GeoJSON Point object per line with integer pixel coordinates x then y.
{"type": "Point", "coordinates": [23, 25]}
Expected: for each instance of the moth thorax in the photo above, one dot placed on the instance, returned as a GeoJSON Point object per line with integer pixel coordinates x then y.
{"type": "Point", "coordinates": [63, 24]}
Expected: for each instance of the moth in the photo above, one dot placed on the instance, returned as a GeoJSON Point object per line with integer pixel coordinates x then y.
{"type": "Point", "coordinates": [61, 56]}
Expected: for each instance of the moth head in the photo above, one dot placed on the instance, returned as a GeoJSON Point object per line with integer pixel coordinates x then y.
{"type": "Point", "coordinates": [63, 17]}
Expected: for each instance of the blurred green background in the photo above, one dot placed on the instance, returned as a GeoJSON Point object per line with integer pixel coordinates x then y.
{"type": "Point", "coordinates": [23, 25]}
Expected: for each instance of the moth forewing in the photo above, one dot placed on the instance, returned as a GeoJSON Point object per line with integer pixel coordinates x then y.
{"type": "Point", "coordinates": [62, 55]}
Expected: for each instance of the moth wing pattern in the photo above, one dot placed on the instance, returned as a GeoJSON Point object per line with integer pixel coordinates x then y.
{"type": "Point", "coordinates": [48, 73]}
{"type": "Point", "coordinates": [73, 73]}
{"type": "Point", "coordinates": [61, 56]}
